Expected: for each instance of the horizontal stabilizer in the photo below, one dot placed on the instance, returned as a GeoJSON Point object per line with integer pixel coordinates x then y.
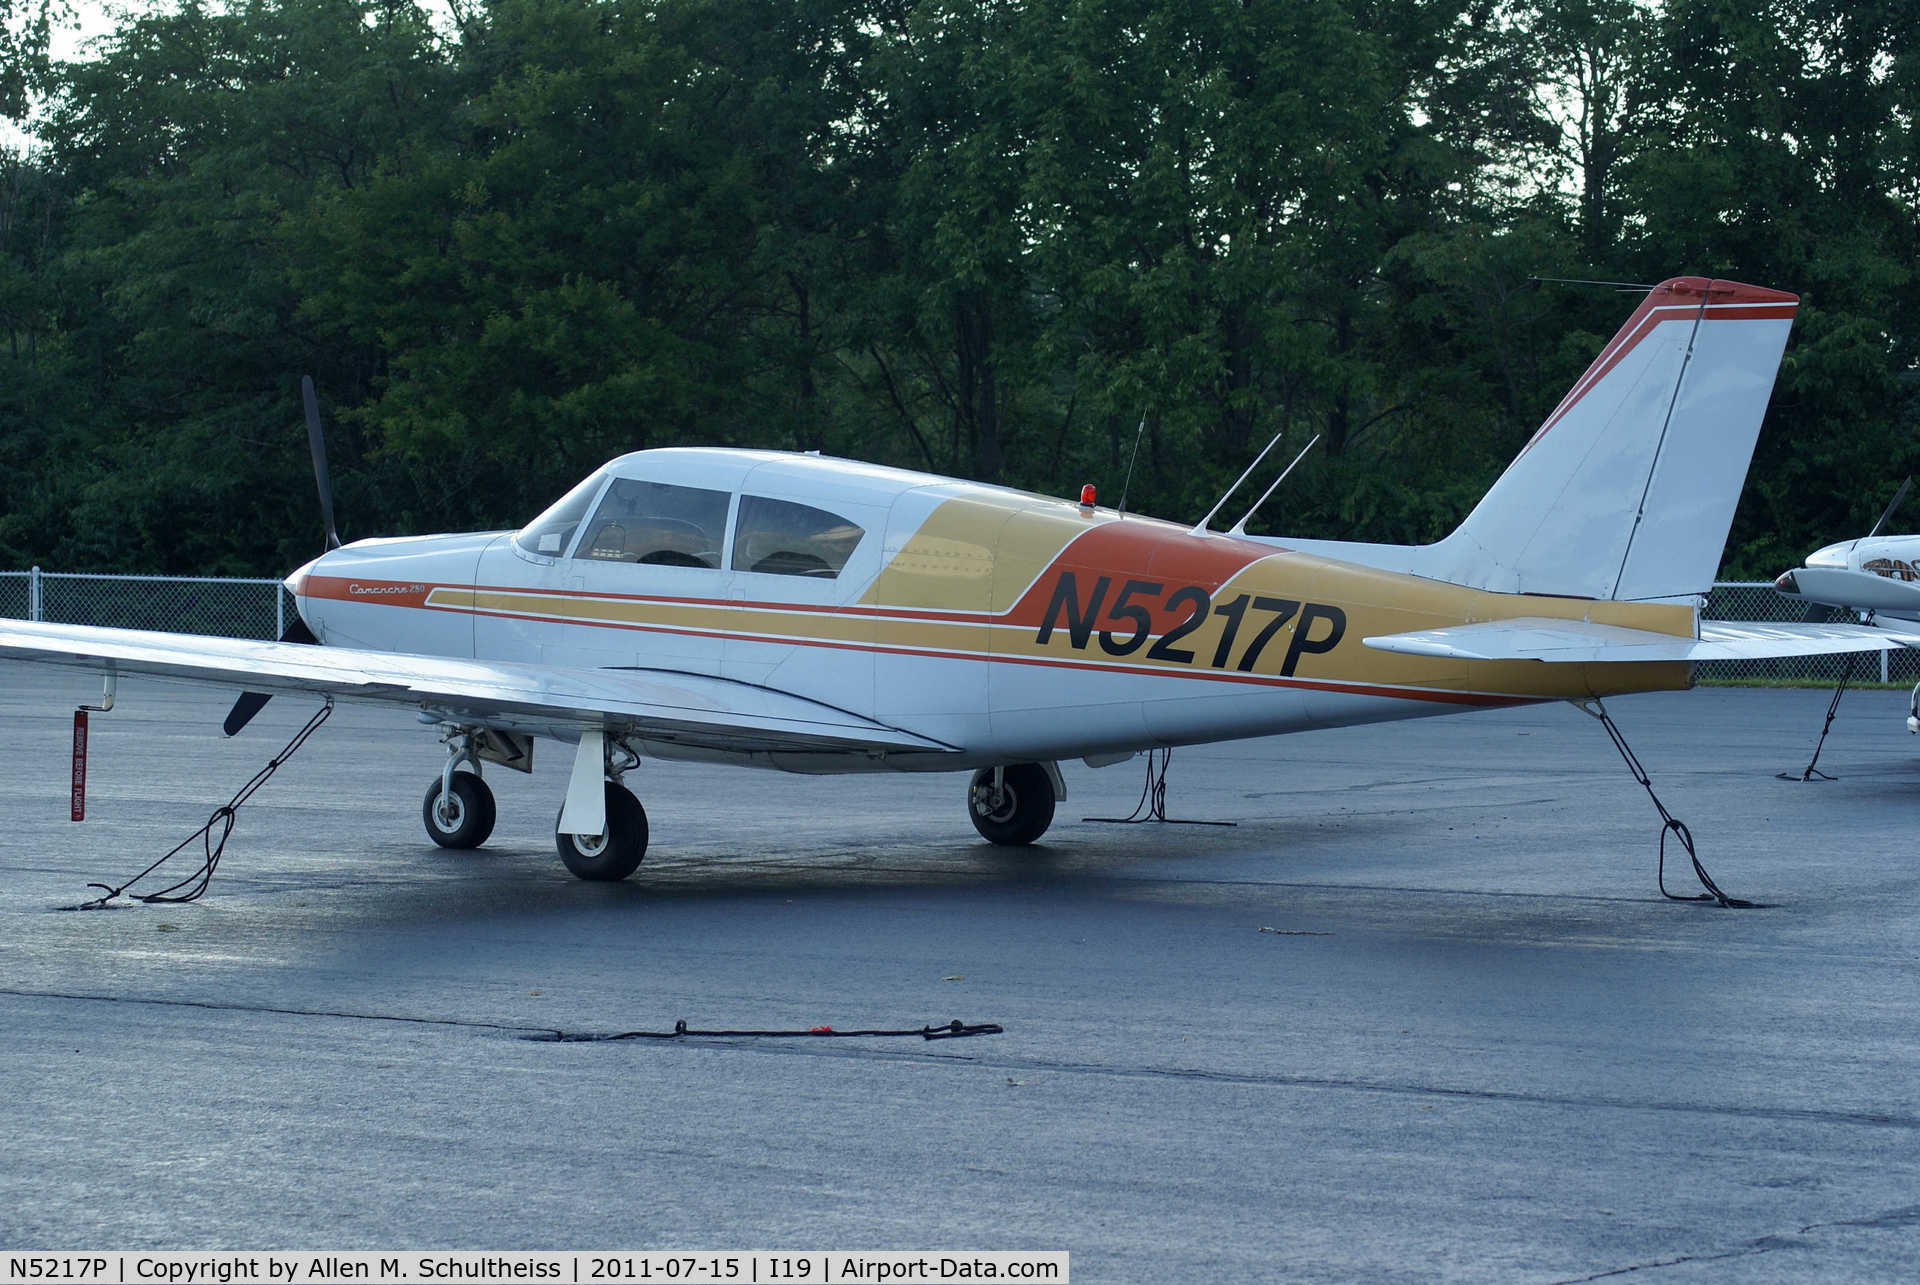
{"type": "Point", "coordinates": [1582, 642]}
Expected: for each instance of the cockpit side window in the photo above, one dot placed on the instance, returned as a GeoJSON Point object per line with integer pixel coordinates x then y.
{"type": "Point", "coordinates": [548, 535]}
{"type": "Point", "coordinates": [658, 524]}
{"type": "Point", "coordinates": [781, 538]}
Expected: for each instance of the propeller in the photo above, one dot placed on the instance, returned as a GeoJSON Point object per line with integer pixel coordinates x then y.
{"type": "Point", "coordinates": [1898, 496]}
{"type": "Point", "coordinates": [317, 443]}
{"type": "Point", "coordinates": [250, 703]}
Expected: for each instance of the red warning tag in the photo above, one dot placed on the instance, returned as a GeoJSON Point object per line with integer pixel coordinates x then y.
{"type": "Point", "coordinates": [79, 765]}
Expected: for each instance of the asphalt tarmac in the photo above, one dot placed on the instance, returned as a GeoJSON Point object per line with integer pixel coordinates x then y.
{"type": "Point", "coordinates": [1421, 1014]}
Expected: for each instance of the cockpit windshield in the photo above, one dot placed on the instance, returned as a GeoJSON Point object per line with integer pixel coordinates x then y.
{"type": "Point", "coordinates": [549, 535]}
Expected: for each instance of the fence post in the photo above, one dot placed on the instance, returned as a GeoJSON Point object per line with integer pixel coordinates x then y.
{"type": "Point", "coordinates": [279, 611]}
{"type": "Point", "coordinates": [33, 594]}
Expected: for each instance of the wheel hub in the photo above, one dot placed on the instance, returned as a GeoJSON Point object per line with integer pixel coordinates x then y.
{"type": "Point", "coordinates": [995, 805]}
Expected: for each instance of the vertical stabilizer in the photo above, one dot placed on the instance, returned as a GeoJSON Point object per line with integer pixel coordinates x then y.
{"type": "Point", "coordinates": [1628, 490]}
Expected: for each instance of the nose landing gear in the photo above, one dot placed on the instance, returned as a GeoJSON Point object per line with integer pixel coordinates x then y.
{"type": "Point", "coordinates": [462, 817]}
{"type": "Point", "coordinates": [459, 809]}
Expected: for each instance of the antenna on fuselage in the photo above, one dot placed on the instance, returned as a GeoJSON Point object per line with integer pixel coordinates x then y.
{"type": "Point", "coordinates": [1240, 527]}
{"type": "Point", "coordinates": [1201, 528]}
{"type": "Point", "coordinates": [1132, 459]}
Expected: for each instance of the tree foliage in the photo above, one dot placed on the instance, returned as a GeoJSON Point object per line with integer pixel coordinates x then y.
{"type": "Point", "coordinates": [974, 236]}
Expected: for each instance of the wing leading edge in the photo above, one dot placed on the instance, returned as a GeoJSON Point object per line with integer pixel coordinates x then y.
{"type": "Point", "coordinates": [1582, 642]}
{"type": "Point", "coordinates": [684, 709]}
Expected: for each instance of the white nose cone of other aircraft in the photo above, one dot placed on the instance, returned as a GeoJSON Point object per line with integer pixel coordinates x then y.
{"type": "Point", "coordinates": [1880, 574]}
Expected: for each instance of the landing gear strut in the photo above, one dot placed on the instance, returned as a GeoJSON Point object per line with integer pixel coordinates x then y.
{"type": "Point", "coordinates": [1011, 805]}
{"type": "Point", "coordinates": [602, 829]}
{"type": "Point", "coordinates": [459, 809]}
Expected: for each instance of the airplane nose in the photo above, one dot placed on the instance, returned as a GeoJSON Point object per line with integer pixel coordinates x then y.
{"type": "Point", "coordinates": [1785, 583]}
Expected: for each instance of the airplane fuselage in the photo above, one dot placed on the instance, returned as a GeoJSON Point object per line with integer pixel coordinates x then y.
{"type": "Point", "coordinates": [1006, 625]}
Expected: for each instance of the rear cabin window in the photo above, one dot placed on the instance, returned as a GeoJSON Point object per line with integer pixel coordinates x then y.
{"type": "Point", "coordinates": [657, 524]}
{"type": "Point", "coordinates": [781, 538]}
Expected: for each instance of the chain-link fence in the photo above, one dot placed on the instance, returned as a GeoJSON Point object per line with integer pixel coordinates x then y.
{"type": "Point", "coordinates": [1755, 600]}
{"type": "Point", "coordinates": [262, 608]}
{"type": "Point", "coordinates": [178, 604]}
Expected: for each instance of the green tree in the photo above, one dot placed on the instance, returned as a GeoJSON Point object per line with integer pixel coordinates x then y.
{"type": "Point", "coordinates": [193, 146]}
{"type": "Point", "coordinates": [1783, 166]}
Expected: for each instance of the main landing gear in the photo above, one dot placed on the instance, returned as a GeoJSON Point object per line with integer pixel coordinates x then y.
{"type": "Point", "coordinates": [618, 849]}
{"type": "Point", "coordinates": [602, 829]}
{"type": "Point", "coordinates": [1013, 805]}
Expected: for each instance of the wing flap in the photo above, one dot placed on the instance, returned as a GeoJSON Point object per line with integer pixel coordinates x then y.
{"type": "Point", "coordinates": [688, 709]}
{"type": "Point", "coordinates": [1583, 642]}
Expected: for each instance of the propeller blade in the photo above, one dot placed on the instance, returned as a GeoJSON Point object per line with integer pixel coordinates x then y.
{"type": "Point", "coordinates": [317, 442]}
{"type": "Point", "coordinates": [1898, 496]}
{"type": "Point", "coordinates": [251, 703]}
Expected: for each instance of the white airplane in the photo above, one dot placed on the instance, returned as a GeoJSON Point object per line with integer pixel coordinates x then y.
{"type": "Point", "coordinates": [820, 615]}
{"type": "Point", "coordinates": [1876, 577]}
{"type": "Point", "coordinates": [1876, 574]}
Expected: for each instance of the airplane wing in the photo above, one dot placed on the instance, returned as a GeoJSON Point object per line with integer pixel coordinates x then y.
{"type": "Point", "coordinates": [1580, 642]}
{"type": "Point", "coordinates": [659, 705]}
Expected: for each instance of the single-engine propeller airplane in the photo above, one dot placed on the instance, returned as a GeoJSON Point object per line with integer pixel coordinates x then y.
{"type": "Point", "coordinates": [820, 615]}
{"type": "Point", "coordinates": [1872, 574]}
{"type": "Point", "coordinates": [1876, 577]}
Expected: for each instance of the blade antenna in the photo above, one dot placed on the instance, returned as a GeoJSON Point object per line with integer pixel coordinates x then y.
{"type": "Point", "coordinates": [317, 443]}
{"type": "Point", "coordinates": [1898, 496]}
{"type": "Point", "coordinates": [1132, 459]}
{"type": "Point", "coordinates": [1585, 281]}
{"type": "Point", "coordinates": [1240, 527]}
{"type": "Point", "coordinates": [1214, 511]}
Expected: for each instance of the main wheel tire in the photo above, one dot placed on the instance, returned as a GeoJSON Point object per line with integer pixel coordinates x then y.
{"type": "Point", "coordinates": [469, 814]}
{"type": "Point", "coordinates": [1019, 811]}
{"type": "Point", "coordinates": [615, 854]}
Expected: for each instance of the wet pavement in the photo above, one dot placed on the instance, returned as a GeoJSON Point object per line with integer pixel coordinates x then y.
{"type": "Point", "coordinates": [1421, 1013]}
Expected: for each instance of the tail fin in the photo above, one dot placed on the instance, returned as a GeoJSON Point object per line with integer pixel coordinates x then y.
{"type": "Point", "coordinates": [1628, 490]}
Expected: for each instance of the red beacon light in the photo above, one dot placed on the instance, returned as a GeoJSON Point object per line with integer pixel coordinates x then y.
{"type": "Point", "coordinates": [1086, 497]}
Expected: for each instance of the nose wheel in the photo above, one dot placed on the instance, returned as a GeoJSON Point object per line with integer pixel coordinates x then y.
{"type": "Point", "coordinates": [1012, 805]}
{"type": "Point", "coordinates": [615, 853]}
{"type": "Point", "coordinates": [461, 815]}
